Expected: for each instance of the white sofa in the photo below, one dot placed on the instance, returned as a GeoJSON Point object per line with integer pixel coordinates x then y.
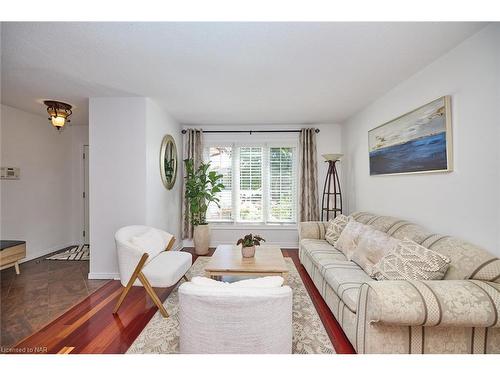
{"type": "Point", "coordinates": [223, 320]}
{"type": "Point", "coordinates": [460, 314]}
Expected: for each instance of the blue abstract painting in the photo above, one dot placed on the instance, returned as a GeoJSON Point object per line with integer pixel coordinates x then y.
{"type": "Point", "coordinates": [419, 141]}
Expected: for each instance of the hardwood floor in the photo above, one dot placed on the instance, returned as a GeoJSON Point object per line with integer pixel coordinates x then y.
{"type": "Point", "coordinates": [90, 326]}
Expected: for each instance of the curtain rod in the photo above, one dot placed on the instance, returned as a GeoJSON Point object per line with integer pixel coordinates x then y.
{"type": "Point", "coordinates": [184, 131]}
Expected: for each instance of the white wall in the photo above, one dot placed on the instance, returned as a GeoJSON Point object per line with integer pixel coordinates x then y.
{"type": "Point", "coordinates": [163, 206]}
{"type": "Point", "coordinates": [465, 202]}
{"type": "Point", "coordinates": [117, 148]}
{"type": "Point", "coordinates": [40, 208]}
{"type": "Point", "coordinates": [125, 183]}
{"type": "Point", "coordinates": [328, 141]}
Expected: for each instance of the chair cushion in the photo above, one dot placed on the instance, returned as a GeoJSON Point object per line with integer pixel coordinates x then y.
{"type": "Point", "coordinates": [151, 242]}
{"type": "Point", "coordinates": [334, 228]}
{"type": "Point", "coordinates": [346, 278]}
{"type": "Point", "coordinates": [259, 282]}
{"type": "Point", "coordinates": [167, 268]}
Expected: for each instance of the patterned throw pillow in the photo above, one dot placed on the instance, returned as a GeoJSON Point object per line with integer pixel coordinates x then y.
{"type": "Point", "coordinates": [335, 227]}
{"type": "Point", "coordinates": [348, 239]}
{"type": "Point", "coordinates": [411, 261]}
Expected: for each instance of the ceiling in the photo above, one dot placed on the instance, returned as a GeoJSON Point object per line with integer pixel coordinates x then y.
{"type": "Point", "coordinates": [220, 73]}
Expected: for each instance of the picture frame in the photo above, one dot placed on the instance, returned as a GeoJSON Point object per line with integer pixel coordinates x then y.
{"type": "Point", "coordinates": [419, 141]}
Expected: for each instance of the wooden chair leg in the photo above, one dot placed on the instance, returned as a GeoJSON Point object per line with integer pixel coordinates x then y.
{"type": "Point", "coordinates": [16, 265]}
{"type": "Point", "coordinates": [134, 276]}
{"type": "Point", "coordinates": [152, 294]}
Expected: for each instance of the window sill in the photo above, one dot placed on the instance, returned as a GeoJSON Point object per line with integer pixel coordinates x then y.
{"type": "Point", "coordinates": [252, 226]}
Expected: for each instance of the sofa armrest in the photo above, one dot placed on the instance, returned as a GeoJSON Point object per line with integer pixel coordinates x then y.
{"type": "Point", "coordinates": [451, 303]}
{"type": "Point", "coordinates": [312, 229]}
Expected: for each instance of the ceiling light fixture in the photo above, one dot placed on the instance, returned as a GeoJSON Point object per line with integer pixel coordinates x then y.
{"type": "Point", "coordinates": [59, 113]}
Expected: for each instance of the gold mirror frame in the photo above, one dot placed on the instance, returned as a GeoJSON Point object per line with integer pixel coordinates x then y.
{"type": "Point", "coordinates": [168, 140]}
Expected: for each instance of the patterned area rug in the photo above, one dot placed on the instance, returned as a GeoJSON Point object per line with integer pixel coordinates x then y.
{"type": "Point", "coordinates": [309, 336]}
{"type": "Point", "coordinates": [80, 252]}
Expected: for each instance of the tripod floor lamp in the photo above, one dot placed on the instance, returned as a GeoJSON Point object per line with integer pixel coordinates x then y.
{"type": "Point", "coordinates": [331, 204]}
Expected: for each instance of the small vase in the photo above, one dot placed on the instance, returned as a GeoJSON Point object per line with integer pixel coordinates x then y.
{"type": "Point", "coordinates": [248, 252]}
{"type": "Point", "coordinates": [201, 239]}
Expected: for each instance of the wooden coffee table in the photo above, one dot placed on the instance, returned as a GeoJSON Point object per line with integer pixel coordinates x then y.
{"type": "Point", "coordinates": [228, 261]}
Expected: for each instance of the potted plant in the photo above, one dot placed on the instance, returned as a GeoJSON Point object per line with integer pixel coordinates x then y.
{"type": "Point", "coordinates": [248, 244]}
{"type": "Point", "coordinates": [202, 186]}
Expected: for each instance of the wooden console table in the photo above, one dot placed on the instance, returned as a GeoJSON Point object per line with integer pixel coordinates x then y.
{"type": "Point", "coordinates": [11, 252]}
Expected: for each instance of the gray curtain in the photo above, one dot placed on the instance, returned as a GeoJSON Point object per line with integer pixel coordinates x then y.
{"type": "Point", "coordinates": [308, 176]}
{"type": "Point", "coordinates": [193, 149]}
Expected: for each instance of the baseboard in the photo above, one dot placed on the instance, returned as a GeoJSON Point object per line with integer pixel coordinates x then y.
{"type": "Point", "coordinates": [103, 276]}
{"type": "Point", "coordinates": [44, 252]}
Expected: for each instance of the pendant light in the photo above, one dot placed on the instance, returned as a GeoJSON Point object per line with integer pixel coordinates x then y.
{"type": "Point", "coordinates": [59, 113]}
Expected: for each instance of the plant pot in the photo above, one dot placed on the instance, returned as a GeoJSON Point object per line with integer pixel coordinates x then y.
{"type": "Point", "coordinates": [248, 252]}
{"type": "Point", "coordinates": [201, 239]}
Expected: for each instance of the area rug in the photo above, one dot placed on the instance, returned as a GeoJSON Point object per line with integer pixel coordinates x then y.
{"type": "Point", "coordinates": [79, 252]}
{"type": "Point", "coordinates": [309, 336]}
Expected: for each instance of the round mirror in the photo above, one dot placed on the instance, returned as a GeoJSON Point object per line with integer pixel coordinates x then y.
{"type": "Point", "coordinates": [168, 161]}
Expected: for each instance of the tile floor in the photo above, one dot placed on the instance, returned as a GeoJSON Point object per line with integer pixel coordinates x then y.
{"type": "Point", "coordinates": [43, 291]}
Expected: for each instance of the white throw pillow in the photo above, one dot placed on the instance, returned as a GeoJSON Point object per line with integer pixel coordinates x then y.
{"type": "Point", "coordinates": [261, 282]}
{"type": "Point", "coordinates": [150, 242]}
{"type": "Point", "coordinates": [372, 246]}
{"type": "Point", "coordinates": [335, 228]}
{"type": "Point", "coordinates": [348, 239]}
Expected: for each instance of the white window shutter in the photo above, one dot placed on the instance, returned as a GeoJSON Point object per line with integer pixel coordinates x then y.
{"type": "Point", "coordinates": [250, 184]}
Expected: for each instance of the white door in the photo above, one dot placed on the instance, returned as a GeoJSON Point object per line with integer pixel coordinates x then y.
{"type": "Point", "coordinates": [86, 233]}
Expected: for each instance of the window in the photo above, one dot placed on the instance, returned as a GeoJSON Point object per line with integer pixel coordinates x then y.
{"type": "Point", "coordinates": [221, 162]}
{"type": "Point", "coordinates": [281, 185]}
{"type": "Point", "coordinates": [260, 183]}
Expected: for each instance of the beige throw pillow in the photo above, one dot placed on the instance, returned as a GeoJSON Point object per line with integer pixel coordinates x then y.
{"type": "Point", "coordinates": [335, 227]}
{"type": "Point", "coordinates": [348, 239]}
{"type": "Point", "coordinates": [411, 261]}
{"type": "Point", "coordinates": [372, 246]}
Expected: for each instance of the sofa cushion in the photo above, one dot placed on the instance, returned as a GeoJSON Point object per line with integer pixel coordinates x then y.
{"type": "Point", "coordinates": [411, 261]}
{"type": "Point", "coordinates": [346, 278]}
{"type": "Point", "coordinates": [320, 252]}
{"type": "Point", "coordinates": [334, 228]}
{"type": "Point", "coordinates": [372, 246]}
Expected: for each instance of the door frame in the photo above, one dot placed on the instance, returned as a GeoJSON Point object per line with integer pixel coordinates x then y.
{"type": "Point", "coordinates": [85, 195]}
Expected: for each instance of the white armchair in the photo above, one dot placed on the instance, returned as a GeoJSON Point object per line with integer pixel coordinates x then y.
{"type": "Point", "coordinates": [144, 259]}
{"type": "Point", "coordinates": [241, 320]}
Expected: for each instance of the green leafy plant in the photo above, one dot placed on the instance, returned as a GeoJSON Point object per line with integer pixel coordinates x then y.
{"type": "Point", "coordinates": [250, 240]}
{"type": "Point", "coordinates": [202, 186]}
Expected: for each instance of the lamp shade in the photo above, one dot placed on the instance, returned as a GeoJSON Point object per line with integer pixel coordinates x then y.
{"type": "Point", "coordinates": [332, 157]}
